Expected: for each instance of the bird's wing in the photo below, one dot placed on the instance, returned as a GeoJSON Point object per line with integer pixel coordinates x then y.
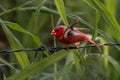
{"type": "Point", "coordinates": [71, 32]}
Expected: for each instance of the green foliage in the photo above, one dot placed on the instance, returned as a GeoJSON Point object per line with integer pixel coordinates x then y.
{"type": "Point", "coordinates": [37, 67]}
{"type": "Point", "coordinates": [61, 9]}
{"type": "Point", "coordinates": [27, 23]}
{"type": "Point", "coordinates": [15, 44]}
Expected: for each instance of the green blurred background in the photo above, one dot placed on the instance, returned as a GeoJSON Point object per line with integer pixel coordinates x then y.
{"type": "Point", "coordinates": [28, 23]}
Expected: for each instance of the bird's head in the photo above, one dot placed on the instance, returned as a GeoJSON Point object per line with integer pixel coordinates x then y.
{"type": "Point", "coordinates": [58, 31]}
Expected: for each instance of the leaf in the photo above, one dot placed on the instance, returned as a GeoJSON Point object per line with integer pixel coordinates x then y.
{"type": "Point", "coordinates": [15, 44]}
{"type": "Point", "coordinates": [110, 19]}
{"type": "Point", "coordinates": [17, 27]}
{"type": "Point", "coordinates": [38, 66]}
{"type": "Point", "coordinates": [61, 9]}
{"type": "Point", "coordinates": [95, 30]}
{"type": "Point", "coordinates": [114, 63]}
{"type": "Point", "coordinates": [47, 76]}
{"type": "Point", "coordinates": [8, 64]}
{"type": "Point", "coordinates": [38, 9]}
{"type": "Point", "coordinates": [111, 9]}
{"type": "Point", "coordinates": [69, 59]}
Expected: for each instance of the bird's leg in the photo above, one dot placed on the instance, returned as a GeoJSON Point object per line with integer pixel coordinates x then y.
{"type": "Point", "coordinates": [66, 47]}
{"type": "Point", "coordinates": [77, 44]}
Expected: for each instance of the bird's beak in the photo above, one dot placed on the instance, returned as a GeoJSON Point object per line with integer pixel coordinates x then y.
{"type": "Point", "coordinates": [53, 32]}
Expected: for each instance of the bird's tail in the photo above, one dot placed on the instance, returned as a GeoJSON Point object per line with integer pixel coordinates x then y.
{"type": "Point", "coordinates": [97, 46]}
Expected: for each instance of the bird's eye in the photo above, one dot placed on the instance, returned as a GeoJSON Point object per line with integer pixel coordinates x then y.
{"type": "Point", "coordinates": [56, 30]}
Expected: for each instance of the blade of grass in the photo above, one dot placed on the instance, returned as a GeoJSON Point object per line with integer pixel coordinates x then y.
{"type": "Point", "coordinates": [8, 64]}
{"type": "Point", "coordinates": [105, 51]}
{"type": "Point", "coordinates": [38, 9]}
{"type": "Point", "coordinates": [38, 66]}
{"type": "Point", "coordinates": [61, 9]}
{"type": "Point", "coordinates": [15, 44]}
{"type": "Point", "coordinates": [48, 76]}
{"type": "Point", "coordinates": [111, 9]}
{"type": "Point", "coordinates": [95, 30]}
{"type": "Point", "coordinates": [110, 19]}
{"type": "Point", "coordinates": [17, 27]}
{"type": "Point", "coordinates": [81, 57]}
{"type": "Point", "coordinates": [69, 59]}
{"type": "Point", "coordinates": [115, 64]}
{"type": "Point", "coordinates": [77, 64]}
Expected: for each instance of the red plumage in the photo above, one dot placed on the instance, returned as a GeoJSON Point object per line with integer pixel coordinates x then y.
{"type": "Point", "coordinates": [71, 35]}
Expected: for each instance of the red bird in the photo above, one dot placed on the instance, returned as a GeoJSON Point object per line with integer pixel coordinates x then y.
{"type": "Point", "coordinates": [71, 35]}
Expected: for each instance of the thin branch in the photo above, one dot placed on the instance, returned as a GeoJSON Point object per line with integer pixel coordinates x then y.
{"type": "Point", "coordinates": [74, 23]}
{"type": "Point", "coordinates": [55, 49]}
